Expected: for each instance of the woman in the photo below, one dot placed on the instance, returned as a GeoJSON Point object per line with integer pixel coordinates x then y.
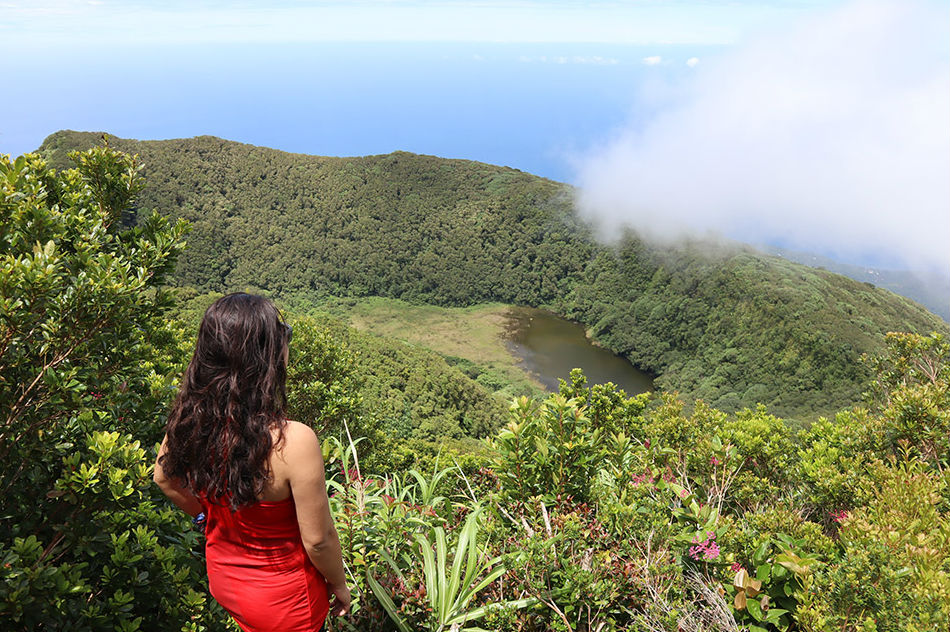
{"type": "Point", "coordinates": [272, 551]}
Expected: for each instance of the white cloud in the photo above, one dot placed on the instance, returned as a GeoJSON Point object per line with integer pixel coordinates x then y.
{"type": "Point", "coordinates": [653, 60]}
{"type": "Point", "coordinates": [692, 62]}
{"type": "Point", "coordinates": [833, 135]}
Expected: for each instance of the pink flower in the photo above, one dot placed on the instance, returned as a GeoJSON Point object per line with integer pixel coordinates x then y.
{"type": "Point", "coordinates": [713, 461]}
{"type": "Point", "coordinates": [838, 516]}
{"type": "Point", "coordinates": [707, 550]}
{"type": "Point", "coordinates": [735, 567]}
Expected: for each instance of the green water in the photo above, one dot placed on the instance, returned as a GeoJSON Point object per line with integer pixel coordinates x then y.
{"type": "Point", "coordinates": [550, 347]}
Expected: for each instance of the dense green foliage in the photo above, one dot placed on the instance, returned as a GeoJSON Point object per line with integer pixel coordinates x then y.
{"type": "Point", "coordinates": [86, 365]}
{"type": "Point", "coordinates": [724, 327]}
{"type": "Point", "coordinates": [930, 289]}
{"type": "Point", "coordinates": [619, 513]}
{"type": "Point", "coordinates": [587, 510]}
{"type": "Point", "coordinates": [416, 394]}
{"type": "Point", "coordinates": [725, 324]}
{"type": "Point", "coordinates": [419, 228]}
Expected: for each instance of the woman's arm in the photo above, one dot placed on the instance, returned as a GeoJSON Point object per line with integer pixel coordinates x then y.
{"type": "Point", "coordinates": [172, 489]}
{"type": "Point", "coordinates": [303, 466]}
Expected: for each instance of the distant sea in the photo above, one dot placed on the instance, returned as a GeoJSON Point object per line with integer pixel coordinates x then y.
{"type": "Point", "coordinates": [529, 106]}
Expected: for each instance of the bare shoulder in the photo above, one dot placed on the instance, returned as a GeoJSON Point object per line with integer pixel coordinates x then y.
{"type": "Point", "coordinates": [299, 439]}
{"type": "Point", "coordinates": [298, 429]}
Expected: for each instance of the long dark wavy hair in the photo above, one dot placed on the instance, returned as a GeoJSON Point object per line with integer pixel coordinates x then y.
{"type": "Point", "coordinates": [231, 397]}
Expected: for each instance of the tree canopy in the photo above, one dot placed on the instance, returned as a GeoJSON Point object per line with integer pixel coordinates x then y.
{"type": "Point", "coordinates": [723, 323]}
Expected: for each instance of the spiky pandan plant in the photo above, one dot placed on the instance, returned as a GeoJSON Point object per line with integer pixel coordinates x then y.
{"type": "Point", "coordinates": [450, 591]}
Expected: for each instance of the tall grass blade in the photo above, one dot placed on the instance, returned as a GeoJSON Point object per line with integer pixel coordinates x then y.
{"type": "Point", "coordinates": [428, 569]}
{"type": "Point", "coordinates": [387, 603]}
{"type": "Point", "coordinates": [465, 546]}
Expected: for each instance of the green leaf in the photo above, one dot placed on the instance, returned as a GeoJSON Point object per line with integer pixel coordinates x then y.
{"type": "Point", "coordinates": [773, 615]}
{"type": "Point", "coordinates": [466, 546]}
{"type": "Point", "coordinates": [479, 612]}
{"type": "Point", "coordinates": [387, 603]}
{"type": "Point", "coordinates": [442, 596]}
{"type": "Point", "coordinates": [428, 570]}
{"type": "Point", "coordinates": [755, 610]}
{"type": "Point", "coordinates": [779, 573]}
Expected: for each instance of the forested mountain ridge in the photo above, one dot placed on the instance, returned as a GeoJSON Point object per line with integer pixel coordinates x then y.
{"type": "Point", "coordinates": [400, 225]}
{"type": "Point", "coordinates": [735, 327]}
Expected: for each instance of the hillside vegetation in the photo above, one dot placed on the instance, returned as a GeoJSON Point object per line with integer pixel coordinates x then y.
{"type": "Point", "coordinates": [728, 325]}
{"type": "Point", "coordinates": [928, 288]}
{"type": "Point", "coordinates": [584, 510]}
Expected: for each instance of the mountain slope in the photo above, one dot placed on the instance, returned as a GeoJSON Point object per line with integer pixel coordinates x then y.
{"type": "Point", "coordinates": [930, 289]}
{"type": "Point", "coordinates": [732, 326]}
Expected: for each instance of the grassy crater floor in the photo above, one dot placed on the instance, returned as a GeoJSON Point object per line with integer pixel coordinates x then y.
{"type": "Point", "coordinates": [475, 334]}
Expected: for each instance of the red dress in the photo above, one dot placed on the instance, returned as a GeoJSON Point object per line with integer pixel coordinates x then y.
{"type": "Point", "coordinates": [258, 569]}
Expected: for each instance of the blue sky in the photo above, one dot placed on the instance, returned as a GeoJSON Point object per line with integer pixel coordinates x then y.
{"type": "Point", "coordinates": [783, 121]}
{"type": "Point", "coordinates": [186, 21]}
{"type": "Point", "coordinates": [526, 84]}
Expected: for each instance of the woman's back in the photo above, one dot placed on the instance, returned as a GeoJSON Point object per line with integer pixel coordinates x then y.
{"type": "Point", "coordinates": [272, 551]}
{"type": "Point", "coordinates": [258, 568]}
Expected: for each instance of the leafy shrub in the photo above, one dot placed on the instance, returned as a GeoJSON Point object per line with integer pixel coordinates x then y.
{"type": "Point", "coordinates": [323, 389]}
{"type": "Point", "coordinates": [771, 553]}
{"type": "Point", "coordinates": [583, 576]}
{"type": "Point", "coordinates": [549, 449]}
{"type": "Point", "coordinates": [765, 444]}
{"type": "Point", "coordinates": [892, 573]}
{"type": "Point", "coordinates": [911, 389]}
{"type": "Point", "coordinates": [832, 459]}
{"type": "Point", "coordinates": [87, 360]}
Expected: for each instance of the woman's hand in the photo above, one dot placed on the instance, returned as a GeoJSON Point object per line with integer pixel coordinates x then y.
{"type": "Point", "coordinates": [340, 605]}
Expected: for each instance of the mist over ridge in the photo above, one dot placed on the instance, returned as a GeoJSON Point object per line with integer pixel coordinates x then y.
{"type": "Point", "coordinates": [831, 136]}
